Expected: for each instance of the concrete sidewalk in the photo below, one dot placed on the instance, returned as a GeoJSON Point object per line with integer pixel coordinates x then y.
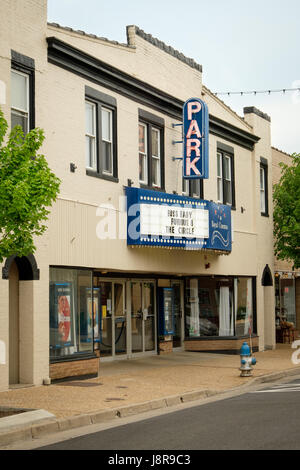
{"type": "Point", "coordinates": [129, 387]}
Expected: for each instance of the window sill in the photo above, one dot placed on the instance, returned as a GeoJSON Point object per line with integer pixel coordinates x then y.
{"type": "Point", "coordinates": [219, 338]}
{"type": "Point", "coordinates": [152, 188]}
{"type": "Point", "coordinates": [264, 214]}
{"type": "Point", "coordinates": [102, 176]}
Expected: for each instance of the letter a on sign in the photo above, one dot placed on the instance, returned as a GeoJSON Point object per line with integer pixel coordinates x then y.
{"type": "Point", "coordinates": [195, 139]}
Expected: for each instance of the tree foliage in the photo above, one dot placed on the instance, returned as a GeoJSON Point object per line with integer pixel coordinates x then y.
{"type": "Point", "coordinates": [27, 190]}
{"type": "Point", "coordinates": [287, 212]}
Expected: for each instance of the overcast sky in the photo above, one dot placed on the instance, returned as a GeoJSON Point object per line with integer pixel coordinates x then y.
{"type": "Point", "coordinates": [241, 45]}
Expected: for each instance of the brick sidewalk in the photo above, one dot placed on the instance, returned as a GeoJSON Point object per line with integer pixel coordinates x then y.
{"type": "Point", "coordinates": [123, 383]}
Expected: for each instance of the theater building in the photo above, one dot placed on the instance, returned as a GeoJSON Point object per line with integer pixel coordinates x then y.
{"type": "Point", "coordinates": [136, 260]}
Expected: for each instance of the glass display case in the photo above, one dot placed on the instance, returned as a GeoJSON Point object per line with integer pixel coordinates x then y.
{"type": "Point", "coordinates": [166, 311]}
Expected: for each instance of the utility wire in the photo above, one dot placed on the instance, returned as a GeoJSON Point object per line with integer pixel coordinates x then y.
{"type": "Point", "coordinates": [283, 90]}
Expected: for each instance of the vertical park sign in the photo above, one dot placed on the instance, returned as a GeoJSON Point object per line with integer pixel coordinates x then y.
{"type": "Point", "coordinates": [195, 139]}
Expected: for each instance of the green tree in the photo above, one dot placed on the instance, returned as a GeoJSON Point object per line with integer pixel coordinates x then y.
{"type": "Point", "coordinates": [27, 190]}
{"type": "Point", "coordinates": [286, 197]}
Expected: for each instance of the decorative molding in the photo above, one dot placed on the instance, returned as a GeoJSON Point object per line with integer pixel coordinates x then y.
{"type": "Point", "coordinates": [161, 45]}
{"type": "Point", "coordinates": [78, 62]}
{"type": "Point", "coordinates": [22, 60]}
{"type": "Point", "coordinates": [99, 96]}
{"type": "Point", "coordinates": [253, 110]}
{"type": "Point", "coordinates": [227, 131]}
{"type": "Point", "coordinates": [153, 118]}
{"type": "Point", "coordinates": [267, 279]}
{"type": "Point", "coordinates": [225, 148]}
{"type": "Point", "coordinates": [27, 266]}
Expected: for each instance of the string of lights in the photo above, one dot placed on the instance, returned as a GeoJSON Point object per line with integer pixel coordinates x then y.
{"type": "Point", "coordinates": [283, 90]}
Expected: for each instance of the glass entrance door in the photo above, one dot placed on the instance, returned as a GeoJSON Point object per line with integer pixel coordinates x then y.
{"type": "Point", "coordinates": [127, 317]}
{"type": "Point", "coordinates": [120, 320]}
{"type": "Point", "coordinates": [113, 321]}
{"type": "Point", "coordinates": [178, 313]}
{"type": "Point", "coordinates": [143, 317]}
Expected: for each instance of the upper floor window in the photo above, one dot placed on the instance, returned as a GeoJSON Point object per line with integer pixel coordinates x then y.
{"type": "Point", "coordinates": [192, 188]}
{"type": "Point", "coordinates": [151, 150]}
{"type": "Point", "coordinates": [107, 141]}
{"type": "Point", "coordinates": [20, 100]}
{"type": "Point", "coordinates": [90, 135]}
{"type": "Point", "coordinates": [225, 176]}
{"type": "Point", "coordinates": [22, 92]}
{"type": "Point", "coordinates": [263, 180]}
{"type": "Point", "coordinates": [101, 135]}
{"type": "Point", "coordinates": [155, 158]}
{"type": "Point", "coordinates": [143, 155]}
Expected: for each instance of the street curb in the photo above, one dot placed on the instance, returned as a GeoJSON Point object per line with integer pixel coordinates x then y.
{"type": "Point", "coordinates": [51, 426]}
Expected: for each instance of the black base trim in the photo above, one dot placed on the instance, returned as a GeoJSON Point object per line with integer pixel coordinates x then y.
{"type": "Point", "coordinates": [232, 352]}
{"type": "Point", "coordinates": [220, 338]}
{"type": "Point", "coordinates": [75, 358]}
{"type": "Point", "coordinates": [75, 378]}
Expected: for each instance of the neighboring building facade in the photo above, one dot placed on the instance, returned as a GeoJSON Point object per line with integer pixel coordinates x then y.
{"type": "Point", "coordinates": [287, 279]}
{"type": "Point", "coordinates": [111, 114]}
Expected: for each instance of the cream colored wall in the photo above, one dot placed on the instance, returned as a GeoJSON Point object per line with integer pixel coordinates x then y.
{"type": "Point", "coordinates": [143, 61]}
{"type": "Point", "coordinates": [219, 109]}
{"type": "Point", "coordinates": [263, 226]}
{"type": "Point", "coordinates": [74, 224]}
{"type": "Point", "coordinates": [67, 106]}
{"type": "Point", "coordinates": [23, 29]}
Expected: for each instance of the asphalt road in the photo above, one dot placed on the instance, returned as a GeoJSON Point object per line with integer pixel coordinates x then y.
{"type": "Point", "coordinates": [266, 419]}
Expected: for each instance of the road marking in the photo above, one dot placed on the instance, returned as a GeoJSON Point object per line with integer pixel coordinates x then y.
{"type": "Point", "coordinates": [281, 389]}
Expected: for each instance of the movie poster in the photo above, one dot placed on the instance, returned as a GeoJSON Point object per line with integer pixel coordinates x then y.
{"type": "Point", "coordinates": [89, 315]}
{"type": "Point", "coordinates": [61, 315]}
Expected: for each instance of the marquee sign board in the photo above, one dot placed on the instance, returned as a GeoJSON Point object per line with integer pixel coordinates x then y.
{"type": "Point", "coordinates": [168, 220]}
{"type": "Point", "coordinates": [195, 139]}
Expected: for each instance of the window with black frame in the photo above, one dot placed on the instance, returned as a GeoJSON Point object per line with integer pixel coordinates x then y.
{"type": "Point", "coordinates": [22, 92]}
{"type": "Point", "coordinates": [225, 175]}
{"type": "Point", "coordinates": [151, 150]}
{"type": "Point", "coordinates": [263, 185]}
{"type": "Point", "coordinates": [101, 135]}
{"type": "Point", "coordinates": [192, 188]}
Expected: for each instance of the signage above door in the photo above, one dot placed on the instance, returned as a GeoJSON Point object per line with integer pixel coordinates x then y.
{"type": "Point", "coordinates": [168, 220]}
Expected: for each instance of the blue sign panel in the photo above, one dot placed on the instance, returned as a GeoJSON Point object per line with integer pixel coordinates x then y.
{"type": "Point", "coordinates": [168, 220]}
{"type": "Point", "coordinates": [195, 139]}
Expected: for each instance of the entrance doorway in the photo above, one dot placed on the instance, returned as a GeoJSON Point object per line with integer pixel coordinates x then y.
{"type": "Point", "coordinates": [112, 318]}
{"type": "Point", "coordinates": [143, 317]}
{"type": "Point", "coordinates": [127, 317]}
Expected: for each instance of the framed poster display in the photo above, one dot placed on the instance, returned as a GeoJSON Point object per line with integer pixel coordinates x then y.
{"type": "Point", "coordinates": [89, 315]}
{"type": "Point", "coordinates": [61, 315]}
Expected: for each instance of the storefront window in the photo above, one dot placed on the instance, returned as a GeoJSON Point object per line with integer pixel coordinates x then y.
{"type": "Point", "coordinates": [285, 299]}
{"type": "Point", "coordinates": [73, 318]}
{"type": "Point", "coordinates": [243, 306]}
{"type": "Point", "coordinates": [218, 307]}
